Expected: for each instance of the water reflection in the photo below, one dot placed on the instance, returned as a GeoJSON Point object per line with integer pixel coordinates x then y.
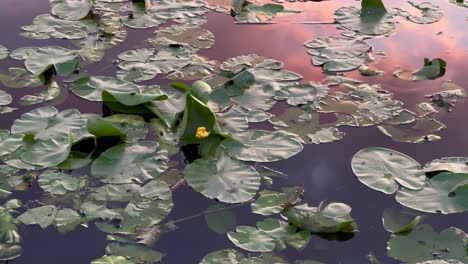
{"type": "Point", "coordinates": [324, 170]}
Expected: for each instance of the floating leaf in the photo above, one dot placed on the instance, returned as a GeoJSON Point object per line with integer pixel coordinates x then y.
{"type": "Point", "coordinates": [8, 230]}
{"type": "Point", "coordinates": [249, 12]}
{"type": "Point", "coordinates": [445, 193]}
{"type": "Point", "coordinates": [338, 53]}
{"type": "Point", "coordinates": [43, 216]}
{"type": "Point", "coordinates": [302, 93]}
{"type": "Point", "coordinates": [47, 26]}
{"type": "Point", "coordinates": [220, 219]}
{"type": "Point", "coordinates": [417, 131]}
{"type": "Point", "coordinates": [183, 35]}
{"type": "Point", "coordinates": [423, 244]}
{"type": "Point", "coordinates": [227, 256]}
{"type": "Point", "coordinates": [396, 221]}
{"type": "Point", "coordinates": [382, 169]}
{"type": "Point", "coordinates": [112, 260]}
{"type": "Point", "coordinates": [430, 13]}
{"type": "Point", "coordinates": [9, 252]}
{"type": "Point", "coordinates": [135, 253]}
{"type": "Point", "coordinates": [5, 98]}
{"type": "Point", "coordinates": [431, 70]}
{"type": "Point", "coordinates": [58, 183]}
{"type": "Point", "coordinates": [130, 128]}
{"type": "Point", "coordinates": [3, 52]}
{"type": "Point", "coordinates": [60, 59]}
{"type": "Point", "coordinates": [451, 164]}
{"type": "Point", "coordinates": [223, 178]}
{"type": "Point", "coordinates": [269, 203]}
{"type": "Point", "coordinates": [130, 162]}
{"type": "Point", "coordinates": [261, 146]}
{"type": "Point", "coordinates": [331, 218]}
{"type": "Point", "coordinates": [19, 78]}
{"type": "Point", "coordinates": [71, 9]}
{"type": "Point", "coordinates": [51, 93]}
{"type": "Point", "coordinates": [252, 239]}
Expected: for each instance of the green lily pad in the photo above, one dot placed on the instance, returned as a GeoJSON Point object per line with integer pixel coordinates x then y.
{"type": "Point", "coordinates": [445, 193]}
{"type": "Point", "coordinates": [252, 239]}
{"type": "Point", "coordinates": [112, 260]}
{"type": "Point", "coordinates": [269, 203]}
{"type": "Point", "coordinates": [3, 52]}
{"type": "Point", "coordinates": [91, 88]}
{"type": "Point", "coordinates": [418, 131]}
{"type": "Point", "coordinates": [129, 128]}
{"type": "Point", "coordinates": [183, 35]}
{"type": "Point", "coordinates": [430, 13]}
{"type": "Point", "coordinates": [382, 169]}
{"type": "Point", "coordinates": [227, 256]}
{"type": "Point", "coordinates": [136, 253]}
{"type": "Point", "coordinates": [130, 162]}
{"type": "Point", "coordinates": [219, 219]}
{"type": "Point", "coordinates": [303, 93]}
{"type": "Point", "coordinates": [19, 78]}
{"type": "Point", "coordinates": [61, 59]}
{"type": "Point", "coordinates": [43, 216]}
{"type": "Point", "coordinates": [47, 26]}
{"type": "Point", "coordinates": [423, 244]}
{"type": "Point", "coordinates": [71, 9]}
{"type": "Point", "coordinates": [373, 19]}
{"type": "Point", "coordinates": [58, 183]}
{"type": "Point", "coordinates": [396, 221]}
{"type": "Point", "coordinates": [338, 53]}
{"type": "Point", "coordinates": [9, 252]}
{"type": "Point", "coordinates": [248, 12]}
{"type": "Point", "coordinates": [52, 92]}
{"type": "Point", "coordinates": [5, 98]}
{"type": "Point", "coordinates": [451, 164]}
{"type": "Point", "coordinates": [262, 146]}
{"type": "Point", "coordinates": [223, 178]}
{"type": "Point", "coordinates": [8, 230]}
{"type": "Point", "coordinates": [431, 70]}
{"type": "Point", "coordinates": [331, 218]}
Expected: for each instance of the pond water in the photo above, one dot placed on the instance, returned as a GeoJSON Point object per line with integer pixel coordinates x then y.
{"type": "Point", "coordinates": [323, 170]}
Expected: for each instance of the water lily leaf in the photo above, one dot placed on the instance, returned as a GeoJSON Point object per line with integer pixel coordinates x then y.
{"type": "Point", "coordinates": [134, 192]}
{"type": "Point", "coordinates": [51, 93]}
{"type": "Point", "coordinates": [415, 132]}
{"type": "Point", "coordinates": [9, 252]}
{"type": "Point", "coordinates": [91, 88]}
{"type": "Point", "coordinates": [3, 52]}
{"type": "Point", "coordinates": [232, 121]}
{"type": "Point", "coordinates": [431, 70]}
{"type": "Point", "coordinates": [57, 183]}
{"type": "Point", "coordinates": [5, 98]}
{"type": "Point", "coordinates": [49, 152]}
{"type": "Point", "coordinates": [219, 219]}
{"type": "Point", "coordinates": [135, 253]}
{"type": "Point", "coordinates": [430, 13]}
{"type": "Point", "coordinates": [252, 239]}
{"type": "Point", "coordinates": [130, 128]}
{"type": "Point", "coordinates": [183, 35]}
{"type": "Point", "coordinates": [76, 160]}
{"type": "Point", "coordinates": [43, 216]}
{"type": "Point", "coordinates": [331, 218]}
{"type": "Point", "coordinates": [303, 93]}
{"type": "Point", "coordinates": [223, 178]}
{"type": "Point", "coordinates": [423, 244]}
{"type": "Point", "coordinates": [444, 193]}
{"type": "Point", "coordinates": [112, 260]}
{"type": "Point", "coordinates": [448, 97]}
{"type": "Point", "coordinates": [227, 256]}
{"type": "Point", "coordinates": [19, 78]}
{"type": "Point", "coordinates": [93, 47]}
{"type": "Point", "coordinates": [47, 26]}
{"type": "Point", "coordinates": [382, 169]}
{"type": "Point", "coordinates": [168, 110]}
{"type": "Point", "coordinates": [269, 203]}
{"type": "Point", "coordinates": [306, 126]}
{"type": "Point", "coordinates": [47, 123]}
{"type": "Point", "coordinates": [373, 19]}
{"type": "Point", "coordinates": [71, 9]}
{"type": "Point", "coordinates": [338, 53]}
{"type": "Point", "coordinates": [451, 164]}
{"type": "Point", "coordinates": [249, 12]}
{"type": "Point", "coordinates": [8, 230]}
{"type": "Point", "coordinates": [130, 162]}
{"type": "Point", "coordinates": [262, 146]}
{"type": "Point", "coordinates": [396, 221]}
{"type": "Point", "coordinates": [61, 59]}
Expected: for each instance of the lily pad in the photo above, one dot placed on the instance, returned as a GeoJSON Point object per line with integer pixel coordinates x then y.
{"type": "Point", "coordinates": [223, 178]}
{"type": "Point", "coordinates": [3, 52]}
{"type": "Point", "coordinates": [445, 193]}
{"type": "Point", "coordinates": [112, 260]}
{"type": "Point", "coordinates": [71, 9]}
{"type": "Point", "coordinates": [450, 164]}
{"type": "Point", "coordinates": [52, 92]}
{"type": "Point", "coordinates": [423, 244]}
{"type": "Point", "coordinates": [303, 93]}
{"type": "Point", "coordinates": [57, 183]}
{"type": "Point", "coordinates": [248, 12]}
{"type": "Point", "coordinates": [252, 239]}
{"type": "Point", "coordinates": [430, 13]}
{"type": "Point", "coordinates": [431, 70]}
{"type": "Point", "coordinates": [382, 169]}
{"type": "Point", "coordinates": [9, 252]}
{"type": "Point", "coordinates": [43, 216]}
{"type": "Point", "coordinates": [262, 146]}
{"type": "Point", "coordinates": [8, 230]}
{"type": "Point", "coordinates": [396, 221]}
{"type": "Point", "coordinates": [19, 78]}
{"type": "Point", "coordinates": [129, 128]}
{"type": "Point", "coordinates": [5, 98]}
{"type": "Point", "coordinates": [338, 53]}
{"type": "Point", "coordinates": [60, 59]}
{"type": "Point", "coordinates": [130, 162]}
{"type": "Point", "coordinates": [220, 219]}
{"type": "Point", "coordinates": [135, 253]}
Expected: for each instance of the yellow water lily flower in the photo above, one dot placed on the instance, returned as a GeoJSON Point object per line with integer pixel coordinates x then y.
{"type": "Point", "coordinates": [202, 133]}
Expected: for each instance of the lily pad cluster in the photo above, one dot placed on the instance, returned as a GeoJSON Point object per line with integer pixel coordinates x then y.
{"type": "Point", "coordinates": [438, 187]}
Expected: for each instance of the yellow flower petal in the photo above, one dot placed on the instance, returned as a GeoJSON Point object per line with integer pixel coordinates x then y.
{"type": "Point", "coordinates": [202, 133]}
